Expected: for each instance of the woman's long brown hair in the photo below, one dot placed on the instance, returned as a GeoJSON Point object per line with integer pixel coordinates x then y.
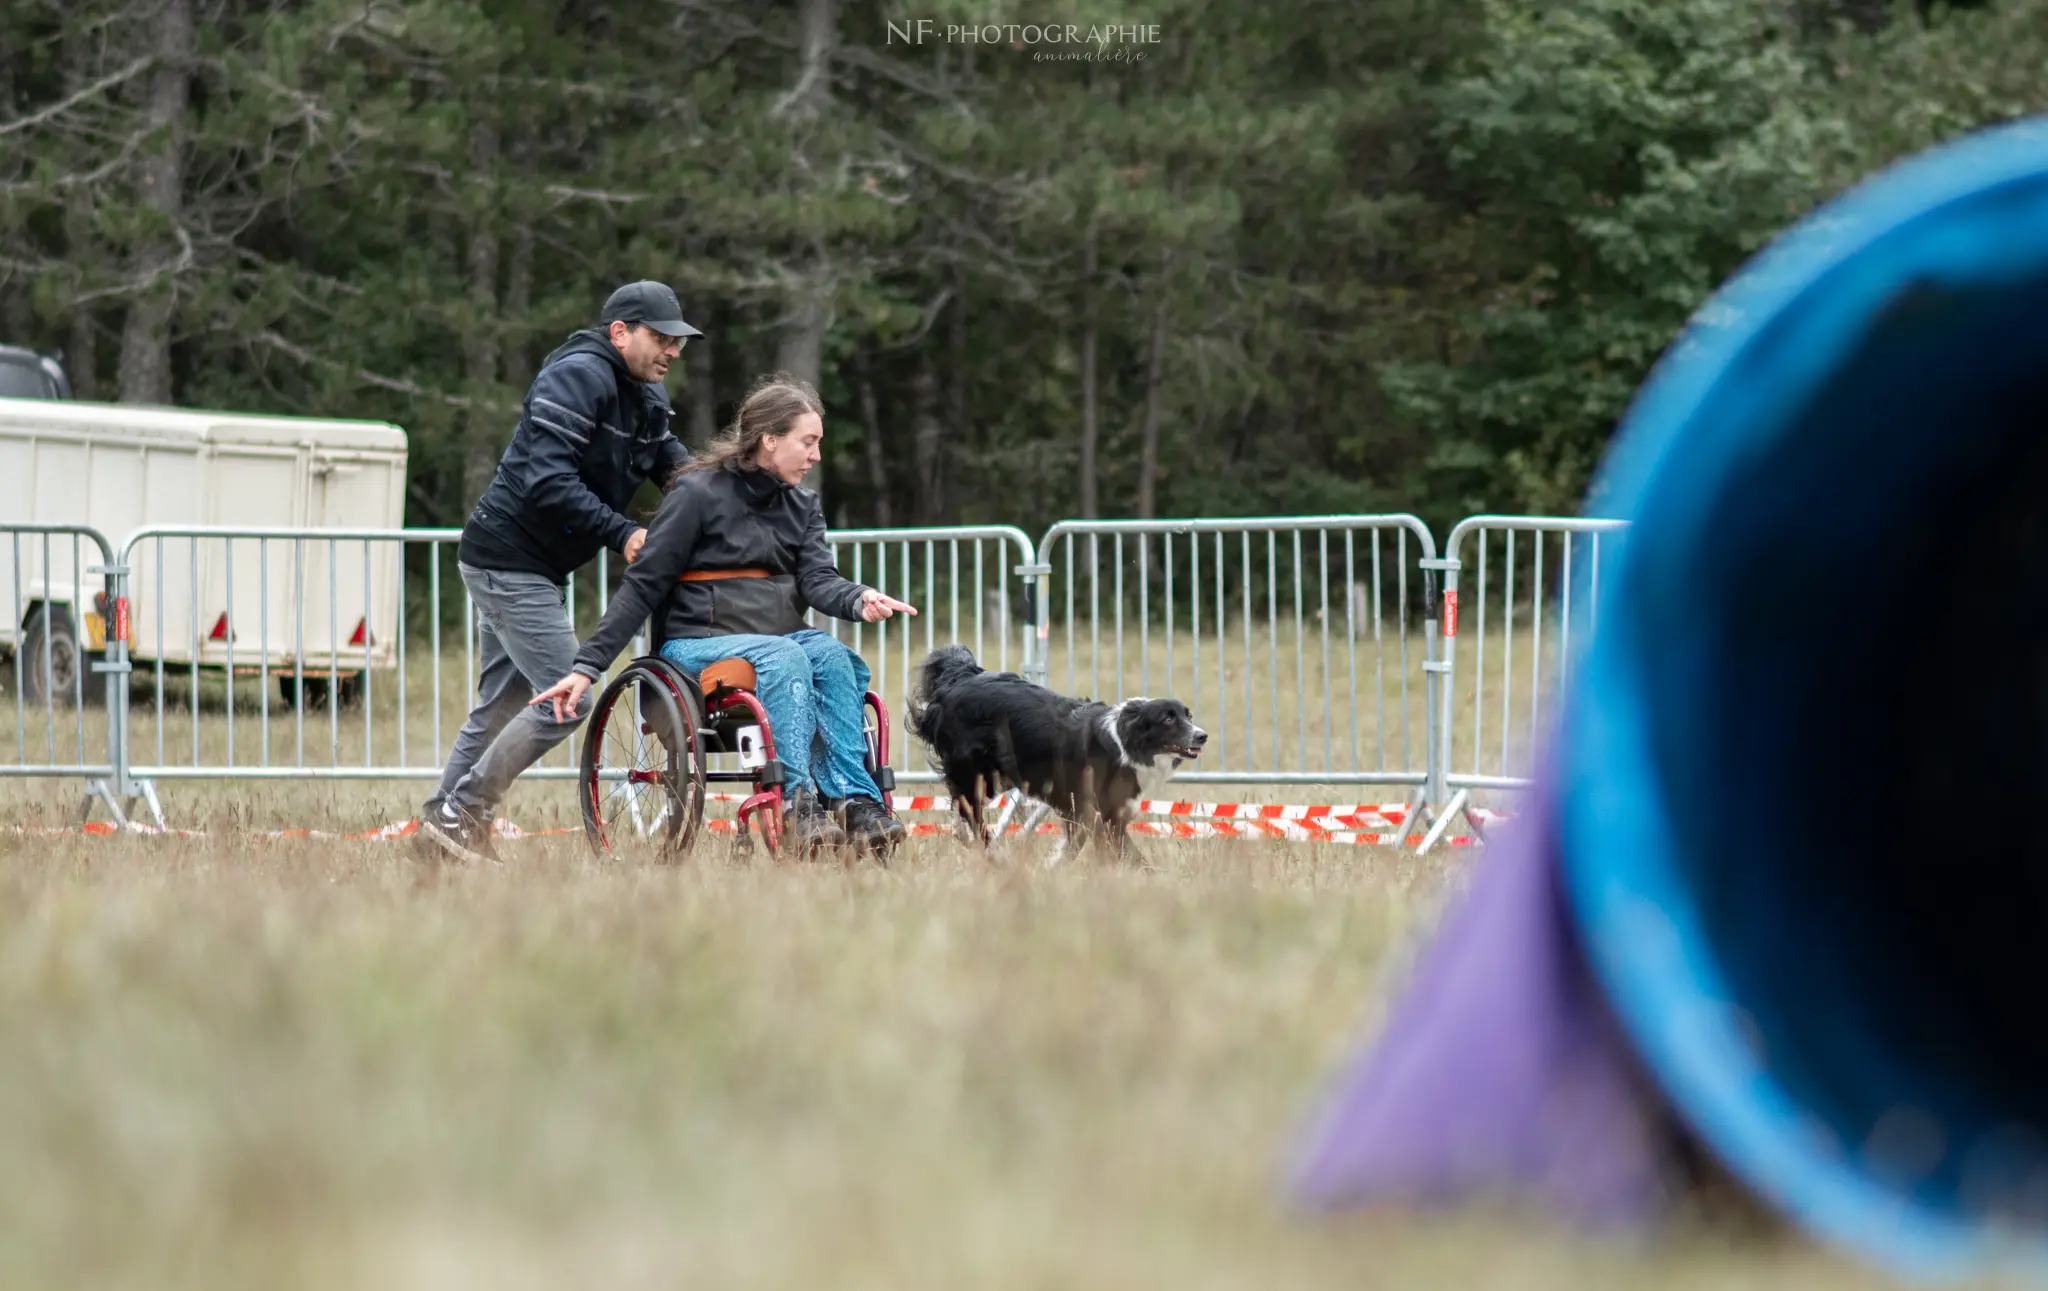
{"type": "Point", "coordinates": [772, 405]}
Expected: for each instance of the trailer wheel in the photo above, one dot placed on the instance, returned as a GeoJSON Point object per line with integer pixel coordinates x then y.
{"type": "Point", "coordinates": [317, 690]}
{"type": "Point", "coordinates": [49, 628]}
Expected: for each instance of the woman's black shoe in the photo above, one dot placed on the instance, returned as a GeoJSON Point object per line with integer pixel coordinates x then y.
{"type": "Point", "coordinates": [869, 824]}
{"type": "Point", "coordinates": [807, 826]}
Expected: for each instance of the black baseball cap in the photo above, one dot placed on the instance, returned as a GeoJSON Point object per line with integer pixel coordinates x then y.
{"type": "Point", "coordinates": [651, 304]}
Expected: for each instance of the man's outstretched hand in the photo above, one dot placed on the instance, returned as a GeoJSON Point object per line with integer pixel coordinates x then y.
{"type": "Point", "coordinates": [566, 695]}
{"type": "Point", "coordinates": [874, 607]}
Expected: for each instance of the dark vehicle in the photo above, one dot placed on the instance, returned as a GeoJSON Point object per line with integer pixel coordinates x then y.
{"type": "Point", "coordinates": [25, 374]}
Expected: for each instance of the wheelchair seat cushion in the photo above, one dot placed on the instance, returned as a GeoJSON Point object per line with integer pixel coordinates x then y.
{"type": "Point", "coordinates": [726, 674]}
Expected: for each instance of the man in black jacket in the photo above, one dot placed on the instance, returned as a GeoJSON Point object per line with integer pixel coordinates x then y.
{"type": "Point", "coordinates": [594, 428]}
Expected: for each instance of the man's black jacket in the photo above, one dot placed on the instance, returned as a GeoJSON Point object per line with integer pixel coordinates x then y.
{"type": "Point", "coordinates": [590, 435]}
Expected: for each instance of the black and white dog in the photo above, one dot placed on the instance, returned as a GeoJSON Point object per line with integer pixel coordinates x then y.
{"type": "Point", "coordinates": [1088, 761]}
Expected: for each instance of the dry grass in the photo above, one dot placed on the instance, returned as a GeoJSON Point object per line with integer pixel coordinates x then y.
{"type": "Point", "coordinates": [229, 1063]}
{"type": "Point", "coordinates": [308, 1065]}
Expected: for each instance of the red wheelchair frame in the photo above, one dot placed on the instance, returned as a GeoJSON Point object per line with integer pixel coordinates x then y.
{"type": "Point", "coordinates": [654, 707]}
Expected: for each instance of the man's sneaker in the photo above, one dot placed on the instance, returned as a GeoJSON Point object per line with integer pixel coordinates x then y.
{"type": "Point", "coordinates": [459, 833]}
{"type": "Point", "coordinates": [869, 825]}
{"type": "Point", "coordinates": [424, 845]}
{"type": "Point", "coordinates": [807, 825]}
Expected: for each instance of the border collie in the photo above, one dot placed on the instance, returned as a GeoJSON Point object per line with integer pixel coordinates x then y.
{"type": "Point", "coordinates": [1088, 761]}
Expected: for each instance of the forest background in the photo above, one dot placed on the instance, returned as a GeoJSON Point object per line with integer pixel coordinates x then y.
{"type": "Point", "coordinates": [1216, 257]}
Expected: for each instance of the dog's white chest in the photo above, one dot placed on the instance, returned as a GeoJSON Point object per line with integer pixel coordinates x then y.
{"type": "Point", "coordinates": [1153, 775]}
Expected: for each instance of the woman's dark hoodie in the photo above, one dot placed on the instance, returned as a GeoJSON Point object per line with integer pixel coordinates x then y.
{"type": "Point", "coordinates": [725, 517]}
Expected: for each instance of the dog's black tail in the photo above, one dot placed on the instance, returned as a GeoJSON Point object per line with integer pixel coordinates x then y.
{"type": "Point", "coordinates": [941, 669]}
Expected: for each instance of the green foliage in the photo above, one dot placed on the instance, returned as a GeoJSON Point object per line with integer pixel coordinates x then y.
{"type": "Point", "coordinates": [1622, 158]}
{"type": "Point", "coordinates": [1416, 257]}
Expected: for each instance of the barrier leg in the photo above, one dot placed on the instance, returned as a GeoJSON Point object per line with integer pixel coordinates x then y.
{"type": "Point", "coordinates": [147, 791]}
{"type": "Point", "coordinates": [1451, 811]}
{"type": "Point", "coordinates": [1413, 811]}
{"type": "Point", "coordinates": [101, 791]}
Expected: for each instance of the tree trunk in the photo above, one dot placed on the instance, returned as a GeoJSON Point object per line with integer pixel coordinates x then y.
{"type": "Point", "coordinates": [15, 322]}
{"type": "Point", "coordinates": [1091, 332]}
{"type": "Point", "coordinates": [928, 441]}
{"type": "Point", "coordinates": [81, 355]}
{"type": "Point", "coordinates": [146, 339]}
{"type": "Point", "coordinates": [1148, 444]}
{"type": "Point", "coordinates": [81, 340]}
{"type": "Point", "coordinates": [813, 88]}
{"type": "Point", "coordinates": [81, 344]}
{"type": "Point", "coordinates": [16, 318]}
{"type": "Point", "coordinates": [800, 349]}
{"type": "Point", "coordinates": [515, 327]}
{"type": "Point", "coordinates": [956, 387]}
{"type": "Point", "coordinates": [702, 368]}
{"type": "Point", "coordinates": [1091, 424]}
{"type": "Point", "coordinates": [480, 444]}
{"type": "Point", "coordinates": [761, 353]}
{"type": "Point", "coordinates": [878, 472]}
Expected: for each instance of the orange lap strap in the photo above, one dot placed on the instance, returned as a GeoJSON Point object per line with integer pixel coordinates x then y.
{"type": "Point", "coordinates": [726, 674]}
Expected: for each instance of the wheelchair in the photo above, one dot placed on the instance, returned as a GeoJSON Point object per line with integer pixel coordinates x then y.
{"type": "Point", "coordinates": [648, 750]}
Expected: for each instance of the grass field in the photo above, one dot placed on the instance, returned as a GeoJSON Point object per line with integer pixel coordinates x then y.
{"type": "Point", "coordinates": [227, 1062]}
{"type": "Point", "coordinates": [298, 1064]}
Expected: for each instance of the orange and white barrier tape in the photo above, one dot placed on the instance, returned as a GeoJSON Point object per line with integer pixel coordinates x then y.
{"type": "Point", "coordinates": [1289, 830]}
{"type": "Point", "coordinates": [1383, 816]}
{"type": "Point", "coordinates": [1366, 824]}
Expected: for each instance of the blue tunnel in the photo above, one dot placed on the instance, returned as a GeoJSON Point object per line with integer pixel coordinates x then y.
{"type": "Point", "coordinates": [1777, 902]}
{"type": "Point", "coordinates": [1803, 758]}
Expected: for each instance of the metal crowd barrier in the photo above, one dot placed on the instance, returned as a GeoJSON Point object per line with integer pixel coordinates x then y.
{"type": "Point", "coordinates": [361, 644]}
{"type": "Point", "coordinates": [66, 618]}
{"type": "Point", "coordinates": [1302, 643]}
{"type": "Point", "coordinates": [959, 579]}
{"type": "Point", "coordinates": [1308, 646]}
{"type": "Point", "coordinates": [1526, 572]}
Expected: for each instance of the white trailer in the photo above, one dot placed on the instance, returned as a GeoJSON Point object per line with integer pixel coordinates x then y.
{"type": "Point", "coordinates": [320, 609]}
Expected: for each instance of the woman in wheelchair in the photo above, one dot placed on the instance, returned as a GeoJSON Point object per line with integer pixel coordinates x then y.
{"type": "Point", "coordinates": [732, 560]}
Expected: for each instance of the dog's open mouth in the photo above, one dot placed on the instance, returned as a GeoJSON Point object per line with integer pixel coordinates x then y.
{"type": "Point", "coordinates": [1188, 751]}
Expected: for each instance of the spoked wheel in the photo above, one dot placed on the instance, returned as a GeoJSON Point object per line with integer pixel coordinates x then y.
{"type": "Point", "coordinates": [642, 774]}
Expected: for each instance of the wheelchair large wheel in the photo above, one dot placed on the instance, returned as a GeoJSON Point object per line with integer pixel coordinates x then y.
{"type": "Point", "coordinates": [643, 769]}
